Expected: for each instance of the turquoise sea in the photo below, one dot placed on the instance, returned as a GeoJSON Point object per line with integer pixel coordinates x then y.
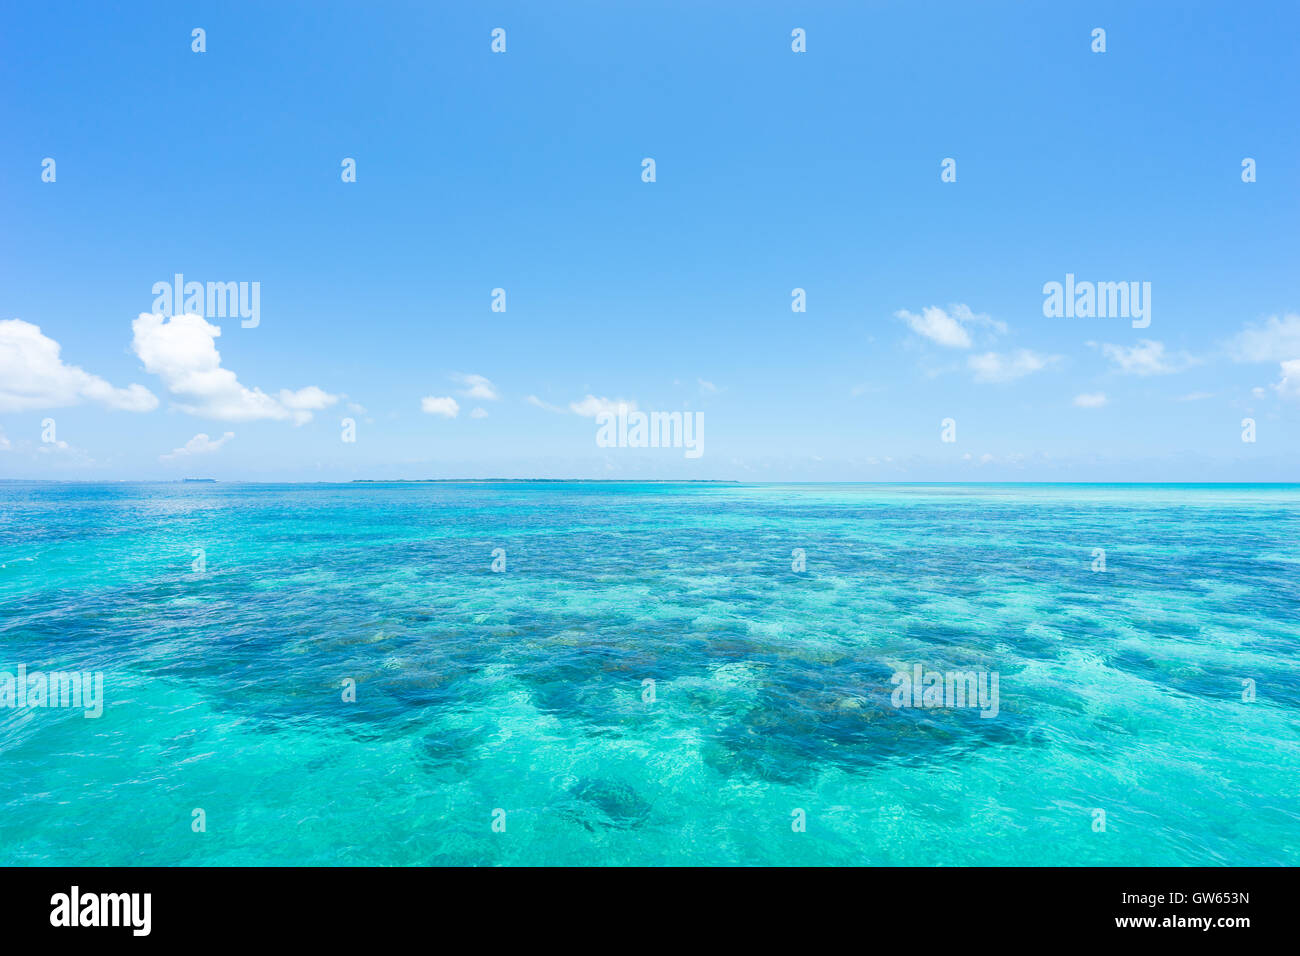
{"type": "Point", "coordinates": [519, 695]}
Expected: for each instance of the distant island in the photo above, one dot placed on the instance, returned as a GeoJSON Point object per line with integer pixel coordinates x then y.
{"type": "Point", "coordinates": [537, 481]}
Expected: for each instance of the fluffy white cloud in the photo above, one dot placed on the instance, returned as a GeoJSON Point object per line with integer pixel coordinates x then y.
{"type": "Point", "coordinates": [200, 444]}
{"type": "Point", "coordinates": [1090, 400]}
{"type": "Point", "coordinates": [446, 406]}
{"type": "Point", "coordinates": [949, 328]}
{"type": "Point", "coordinates": [1276, 340]}
{"type": "Point", "coordinates": [591, 406]}
{"type": "Point", "coordinates": [182, 352]}
{"type": "Point", "coordinates": [4, 441]}
{"type": "Point", "coordinates": [479, 413]}
{"type": "Point", "coordinates": [476, 386]}
{"type": "Point", "coordinates": [1146, 358]}
{"type": "Point", "coordinates": [32, 375]}
{"type": "Point", "coordinates": [1008, 366]}
{"type": "Point", "coordinates": [1289, 387]}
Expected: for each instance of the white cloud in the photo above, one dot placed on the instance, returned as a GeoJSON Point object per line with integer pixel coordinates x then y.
{"type": "Point", "coordinates": [476, 386]}
{"type": "Point", "coordinates": [479, 413]}
{"type": "Point", "coordinates": [32, 375]}
{"type": "Point", "coordinates": [4, 441]}
{"type": "Point", "coordinates": [1008, 366]}
{"type": "Point", "coordinates": [1289, 387]}
{"type": "Point", "coordinates": [1195, 396]}
{"type": "Point", "coordinates": [200, 444]}
{"type": "Point", "coordinates": [182, 352]}
{"type": "Point", "coordinates": [707, 386]}
{"type": "Point", "coordinates": [309, 399]}
{"type": "Point", "coordinates": [591, 406]}
{"type": "Point", "coordinates": [1277, 340]}
{"type": "Point", "coordinates": [446, 406]}
{"type": "Point", "coordinates": [949, 328]}
{"type": "Point", "coordinates": [588, 407]}
{"type": "Point", "coordinates": [1090, 400]}
{"type": "Point", "coordinates": [534, 400]}
{"type": "Point", "coordinates": [1146, 358]}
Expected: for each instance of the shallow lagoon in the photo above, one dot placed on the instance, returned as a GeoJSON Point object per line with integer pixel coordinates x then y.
{"type": "Point", "coordinates": [524, 691]}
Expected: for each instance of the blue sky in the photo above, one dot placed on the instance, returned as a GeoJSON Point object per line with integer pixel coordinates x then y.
{"type": "Point", "coordinates": [775, 170]}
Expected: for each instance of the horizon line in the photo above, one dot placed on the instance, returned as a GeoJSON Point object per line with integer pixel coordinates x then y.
{"type": "Point", "coordinates": [604, 481]}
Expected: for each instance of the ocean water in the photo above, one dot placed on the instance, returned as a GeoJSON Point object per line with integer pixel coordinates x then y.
{"type": "Point", "coordinates": [519, 696]}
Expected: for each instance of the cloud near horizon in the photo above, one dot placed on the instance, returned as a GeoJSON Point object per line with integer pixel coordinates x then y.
{"type": "Point", "coordinates": [200, 444]}
{"type": "Point", "coordinates": [1276, 339]}
{"type": "Point", "coordinates": [33, 376]}
{"type": "Point", "coordinates": [182, 352]}
{"type": "Point", "coordinates": [591, 406]}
